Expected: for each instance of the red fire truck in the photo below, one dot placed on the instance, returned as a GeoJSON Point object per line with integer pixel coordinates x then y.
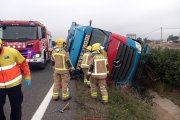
{"type": "Point", "coordinates": [31, 38]}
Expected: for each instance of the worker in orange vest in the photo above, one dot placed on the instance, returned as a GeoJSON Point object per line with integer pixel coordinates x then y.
{"type": "Point", "coordinates": [62, 64]}
{"type": "Point", "coordinates": [85, 64]}
{"type": "Point", "coordinates": [98, 70]}
{"type": "Point", "coordinates": [11, 63]}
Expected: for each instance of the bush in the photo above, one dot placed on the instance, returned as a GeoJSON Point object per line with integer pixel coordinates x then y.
{"type": "Point", "coordinates": [166, 64]}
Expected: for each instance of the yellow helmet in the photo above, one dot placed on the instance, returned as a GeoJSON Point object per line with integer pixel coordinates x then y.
{"type": "Point", "coordinates": [60, 42]}
{"type": "Point", "coordinates": [88, 48]}
{"type": "Point", "coordinates": [1, 43]}
{"type": "Point", "coordinates": [96, 46]}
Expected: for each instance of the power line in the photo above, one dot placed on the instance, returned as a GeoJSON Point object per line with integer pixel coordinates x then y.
{"type": "Point", "coordinates": [161, 29]}
{"type": "Point", "coordinates": [150, 32]}
{"type": "Point", "coordinates": [170, 28]}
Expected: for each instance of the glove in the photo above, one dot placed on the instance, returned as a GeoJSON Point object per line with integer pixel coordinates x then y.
{"type": "Point", "coordinates": [28, 83]}
{"type": "Point", "coordinates": [72, 68]}
{"type": "Point", "coordinates": [88, 73]}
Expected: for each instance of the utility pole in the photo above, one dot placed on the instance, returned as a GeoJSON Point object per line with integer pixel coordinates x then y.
{"type": "Point", "coordinates": [161, 34]}
{"type": "Point", "coordinates": [90, 22]}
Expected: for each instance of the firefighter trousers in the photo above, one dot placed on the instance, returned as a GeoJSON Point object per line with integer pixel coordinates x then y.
{"type": "Point", "coordinates": [101, 83]}
{"type": "Point", "coordinates": [16, 98]}
{"type": "Point", "coordinates": [63, 80]}
{"type": "Point", "coordinates": [86, 77]}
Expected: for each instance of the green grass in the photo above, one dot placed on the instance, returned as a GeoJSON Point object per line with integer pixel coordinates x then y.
{"type": "Point", "coordinates": [120, 106]}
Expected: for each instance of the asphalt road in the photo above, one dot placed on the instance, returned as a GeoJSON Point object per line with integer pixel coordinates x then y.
{"type": "Point", "coordinates": [42, 81]}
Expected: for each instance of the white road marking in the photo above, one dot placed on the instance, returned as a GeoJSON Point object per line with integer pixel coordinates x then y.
{"type": "Point", "coordinates": [43, 106]}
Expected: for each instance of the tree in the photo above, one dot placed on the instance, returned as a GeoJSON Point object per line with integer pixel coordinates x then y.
{"type": "Point", "coordinates": [172, 38]}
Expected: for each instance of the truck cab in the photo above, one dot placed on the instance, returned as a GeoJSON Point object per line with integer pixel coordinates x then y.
{"type": "Point", "coordinates": [123, 52]}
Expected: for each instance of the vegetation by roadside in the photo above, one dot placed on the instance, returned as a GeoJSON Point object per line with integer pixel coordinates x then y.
{"type": "Point", "coordinates": [121, 106]}
{"type": "Point", "coordinates": [165, 64]}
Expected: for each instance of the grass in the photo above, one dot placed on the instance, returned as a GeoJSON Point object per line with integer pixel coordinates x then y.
{"type": "Point", "coordinates": [121, 106]}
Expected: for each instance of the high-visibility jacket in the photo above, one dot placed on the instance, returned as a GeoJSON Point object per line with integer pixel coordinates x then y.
{"type": "Point", "coordinates": [86, 60]}
{"type": "Point", "coordinates": [100, 66]}
{"type": "Point", "coordinates": [60, 56]}
{"type": "Point", "coordinates": [11, 61]}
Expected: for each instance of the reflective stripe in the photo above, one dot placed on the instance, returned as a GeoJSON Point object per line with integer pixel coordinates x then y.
{"type": "Point", "coordinates": [104, 97]}
{"type": "Point", "coordinates": [11, 81]}
{"type": "Point", "coordinates": [100, 60]}
{"type": "Point", "coordinates": [99, 73]}
{"type": "Point", "coordinates": [94, 94]}
{"type": "Point", "coordinates": [95, 72]}
{"type": "Point", "coordinates": [8, 67]}
{"type": "Point", "coordinates": [60, 69]}
{"type": "Point", "coordinates": [86, 58]}
{"type": "Point", "coordinates": [63, 62]}
{"type": "Point", "coordinates": [85, 80]}
{"type": "Point", "coordinates": [85, 65]}
{"type": "Point", "coordinates": [65, 95]}
{"type": "Point", "coordinates": [55, 94]}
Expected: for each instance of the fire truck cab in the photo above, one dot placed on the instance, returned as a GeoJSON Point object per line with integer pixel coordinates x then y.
{"type": "Point", "coordinates": [30, 38]}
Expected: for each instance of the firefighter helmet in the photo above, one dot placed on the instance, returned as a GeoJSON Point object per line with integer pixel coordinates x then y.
{"type": "Point", "coordinates": [0, 42]}
{"type": "Point", "coordinates": [96, 46]}
{"type": "Point", "coordinates": [60, 42]}
{"type": "Point", "coordinates": [88, 48]}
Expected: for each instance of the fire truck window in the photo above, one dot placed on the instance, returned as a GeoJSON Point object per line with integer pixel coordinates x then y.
{"type": "Point", "coordinates": [43, 29]}
{"type": "Point", "coordinates": [39, 33]}
{"type": "Point", "coordinates": [20, 33]}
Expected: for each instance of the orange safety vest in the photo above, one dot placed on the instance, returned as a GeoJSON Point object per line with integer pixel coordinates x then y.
{"type": "Point", "coordinates": [10, 62]}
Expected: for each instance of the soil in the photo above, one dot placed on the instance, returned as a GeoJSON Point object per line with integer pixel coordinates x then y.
{"type": "Point", "coordinates": [164, 108]}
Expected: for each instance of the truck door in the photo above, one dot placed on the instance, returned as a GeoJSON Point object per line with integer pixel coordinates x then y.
{"type": "Point", "coordinates": [76, 44]}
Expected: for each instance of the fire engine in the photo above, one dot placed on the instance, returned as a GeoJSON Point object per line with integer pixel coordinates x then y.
{"type": "Point", "coordinates": [123, 52]}
{"type": "Point", "coordinates": [30, 38]}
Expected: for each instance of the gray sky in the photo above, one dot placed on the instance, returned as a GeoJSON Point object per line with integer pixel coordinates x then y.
{"type": "Point", "coordinates": [118, 16]}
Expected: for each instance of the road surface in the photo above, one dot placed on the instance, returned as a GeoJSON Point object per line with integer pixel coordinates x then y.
{"type": "Point", "coordinates": [37, 103]}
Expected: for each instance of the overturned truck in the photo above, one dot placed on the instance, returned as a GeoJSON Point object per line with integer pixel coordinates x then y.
{"type": "Point", "coordinates": [123, 53]}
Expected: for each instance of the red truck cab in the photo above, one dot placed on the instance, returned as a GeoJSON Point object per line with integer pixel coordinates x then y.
{"type": "Point", "coordinates": [30, 38]}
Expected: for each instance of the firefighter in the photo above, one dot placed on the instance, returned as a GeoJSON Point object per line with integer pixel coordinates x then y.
{"type": "Point", "coordinates": [98, 70]}
{"type": "Point", "coordinates": [62, 64]}
{"type": "Point", "coordinates": [11, 63]}
{"type": "Point", "coordinates": [85, 64]}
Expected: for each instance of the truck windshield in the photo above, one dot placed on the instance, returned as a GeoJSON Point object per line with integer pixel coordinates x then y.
{"type": "Point", "coordinates": [20, 33]}
{"type": "Point", "coordinates": [99, 36]}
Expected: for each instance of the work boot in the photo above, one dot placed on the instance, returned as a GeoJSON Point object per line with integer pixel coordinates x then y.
{"type": "Point", "coordinates": [104, 102]}
{"type": "Point", "coordinates": [66, 99]}
{"type": "Point", "coordinates": [88, 84]}
{"type": "Point", "coordinates": [55, 98]}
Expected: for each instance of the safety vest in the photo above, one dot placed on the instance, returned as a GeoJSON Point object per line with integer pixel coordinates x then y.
{"type": "Point", "coordinates": [60, 57]}
{"type": "Point", "coordinates": [86, 60]}
{"type": "Point", "coordinates": [10, 73]}
{"type": "Point", "coordinates": [100, 68]}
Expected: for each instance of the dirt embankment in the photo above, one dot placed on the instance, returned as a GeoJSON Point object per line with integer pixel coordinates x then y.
{"type": "Point", "coordinates": [165, 109]}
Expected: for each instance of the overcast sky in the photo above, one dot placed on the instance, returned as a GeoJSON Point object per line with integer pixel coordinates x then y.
{"type": "Point", "coordinates": [119, 16]}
